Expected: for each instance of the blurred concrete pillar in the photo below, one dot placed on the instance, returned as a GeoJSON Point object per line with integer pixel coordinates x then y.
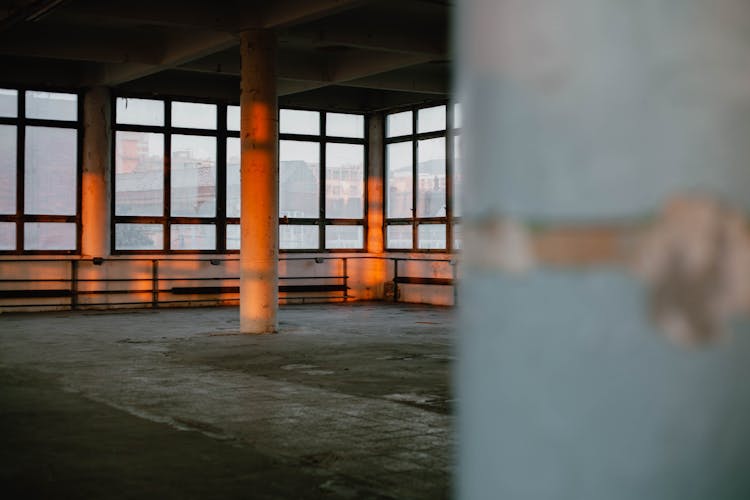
{"type": "Point", "coordinates": [95, 209]}
{"type": "Point", "coordinates": [579, 376]}
{"type": "Point", "coordinates": [259, 240]}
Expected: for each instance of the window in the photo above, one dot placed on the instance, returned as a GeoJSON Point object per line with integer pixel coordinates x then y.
{"type": "Point", "coordinates": [422, 176]}
{"type": "Point", "coordinates": [166, 175]}
{"type": "Point", "coordinates": [39, 145]}
{"type": "Point", "coordinates": [321, 180]}
{"type": "Point", "coordinates": [177, 177]}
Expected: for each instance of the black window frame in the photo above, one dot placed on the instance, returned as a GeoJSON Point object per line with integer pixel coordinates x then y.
{"type": "Point", "coordinates": [21, 122]}
{"type": "Point", "coordinates": [449, 220]}
{"type": "Point", "coordinates": [322, 220]}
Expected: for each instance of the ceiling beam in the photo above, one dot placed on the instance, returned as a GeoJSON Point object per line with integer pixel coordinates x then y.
{"type": "Point", "coordinates": [285, 13]}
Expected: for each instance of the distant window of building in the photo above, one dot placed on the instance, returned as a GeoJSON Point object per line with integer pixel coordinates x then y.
{"type": "Point", "coordinates": [39, 171]}
{"type": "Point", "coordinates": [422, 178]}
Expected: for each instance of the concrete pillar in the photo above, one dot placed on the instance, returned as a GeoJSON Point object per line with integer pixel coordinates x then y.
{"type": "Point", "coordinates": [259, 241]}
{"type": "Point", "coordinates": [374, 275]}
{"type": "Point", "coordinates": [603, 350]}
{"type": "Point", "coordinates": [95, 205]}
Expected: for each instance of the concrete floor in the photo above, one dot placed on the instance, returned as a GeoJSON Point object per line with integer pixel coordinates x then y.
{"type": "Point", "coordinates": [350, 401]}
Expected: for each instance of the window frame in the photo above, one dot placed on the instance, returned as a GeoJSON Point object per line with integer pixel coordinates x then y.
{"type": "Point", "coordinates": [21, 122]}
{"type": "Point", "coordinates": [449, 220]}
{"type": "Point", "coordinates": [322, 220]}
{"type": "Point", "coordinates": [219, 221]}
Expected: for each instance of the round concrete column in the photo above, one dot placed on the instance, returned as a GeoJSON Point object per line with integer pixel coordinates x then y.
{"type": "Point", "coordinates": [95, 210]}
{"type": "Point", "coordinates": [259, 183]}
{"type": "Point", "coordinates": [603, 347]}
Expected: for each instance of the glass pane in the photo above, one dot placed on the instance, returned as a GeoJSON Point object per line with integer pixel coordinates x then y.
{"type": "Point", "coordinates": [457, 237]}
{"type": "Point", "coordinates": [192, 237]}
{"type": "Point", "coordinates": [7, 169]}
{"type": "Point", "coordinates": [51, 155]}
{"type": "Point", "coordinates": [8, 103]}
{"type": "Point", "coordinates": [457, 117]}
{"type": "Point", "coordinates": [299, 179]}
{"type": "Point", "coordinates": [193, 115]}
{"type": "Point", "coordinates": [431, 119]}
{"type": "Point", "coordinates": [431, 175]}
{"type": "Point", "coordinates": [7, 235]}
{"type": "Point", "coordinates": [49, 236]}
{"type": "Point", "coordinates": [293, 121]}
{"type": "Point", "coordinates": [345, 125]}
{"type": "Point", "coordinates": [457, 177]}
{"type": "Point", "coordinates": [51, 105]}
{"type": "Point", "coordinates": [296, 237]}
{"type": "Point", "coordinates": [398, 124]}
{"type": "Point", "coordinates": [398, 237]}
{"type": "Point", "coordinates": [193, 191]}
{"type": "Point", "coordinates": [139, 173]}
{"type": "Point", "coordinates": [139, 236]}
{"type": "Point", "coordinates": [140, 111]}
{"type": "Point", "coordinates": [233, 177]}
{"type": "Point", "coordinates": [233, 118]}
{"type": "Point", "coordinates": [399, 179]}
{"type": "Point", "coordinates": [345, 184]}
{"type": "Point", "coordinates": [344, 237]}
{"type": "Point", "coordinates": [233, 236]}
{"type": "Point", "coordinates": [431, 236]}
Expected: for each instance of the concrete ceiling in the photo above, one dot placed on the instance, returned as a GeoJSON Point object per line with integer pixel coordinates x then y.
{"type": "Point", "coordinates": [355, 55]}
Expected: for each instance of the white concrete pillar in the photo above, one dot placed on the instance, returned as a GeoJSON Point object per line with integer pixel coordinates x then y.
{"type": "Point", "coordinates": [95, 193]}
{"type": "Point", "coordinates": [259, 241]}
{"type": "Point", "coordinates": [604, 347]}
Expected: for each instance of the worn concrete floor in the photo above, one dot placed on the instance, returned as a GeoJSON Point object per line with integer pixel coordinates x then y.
{"type": "Point", "coordinates": [350, 401]}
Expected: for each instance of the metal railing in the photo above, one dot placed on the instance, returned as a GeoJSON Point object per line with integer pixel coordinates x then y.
{"type": "Point", "coordinates": [153, 286]}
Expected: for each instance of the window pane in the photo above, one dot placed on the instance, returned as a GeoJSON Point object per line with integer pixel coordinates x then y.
{"type": "Point", "coordinates": [193, 191]}
{"type": "Point", "coordinates": [431, 175]}
{"type": "Point", "coordinates": [431, 236]}
{"type": "Point", "coordinates": [233, 177]}
{"type": "Point", "coordinates": [457, 117]}
{"type": "Point", "coordinates": [345, 188]}
{"type": "Point", "coordinates": [140, 111]}
{"type": "Point", "coordinates": [7, 235]}
{"type": "Point", "coordinates": [139, 236]}
{"type": "Point", "coordinates": [399, 179]}
{"type": "Point", "coordinates": [398, 237]}
{"type": "Point", "coordinates": [398, 124]}
{"type": "Point", "coordinates": [193, 237]}
{"type": "Point", "coordinates": [233, 118]}
{"type": "Point", "coordinates": [193, 115]}
{"type": "Point", "coordinates": [299, 179]}
{"type": "Point", "coordinates": [51, 158]}
{"type": "Point", "coordinates": [431, 119]}
{"type": "Point", "coordinates": [344, 237]}
{"type": "Point", "coordinates": [345, 125]}
{"type": "Point", "coordinates": [457, 177]}
{"type": "Point", "coordinates": [8, 103]}
{"type": "Point", "coordinates": [457, 237]}
{"type": "Point", "coordinates": [7, 169]}
{"type": "Point", "coordinates": [295, 237]}
{"type": "Point", "coordinates": [49, 236]}
{"type": "Point", "coordinates": [233, 236]}
{"type": "Point", "coordinates": [293, 121]}
{"type": "Point", "coordinates": [51, 105]}
{"type": "Point", "coordinates": [139, 173]}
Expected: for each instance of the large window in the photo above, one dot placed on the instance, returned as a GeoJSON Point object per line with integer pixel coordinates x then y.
{"type": "Point", "coordinates": [39, 171]}
{"type": "Point", "coordinates": [422, 174]}
{"type": "Point", "coordinates": [321, 180]}
{"type": "Point", "coordinates": [177, 178]}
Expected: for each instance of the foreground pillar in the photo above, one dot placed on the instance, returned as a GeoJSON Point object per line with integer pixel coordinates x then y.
{"type": "Point", "coordinates": [95, 209]}
{"type": "Point", "coordinates": [259, 184]}
{"type": "Point", "coordinates": [604, 347]}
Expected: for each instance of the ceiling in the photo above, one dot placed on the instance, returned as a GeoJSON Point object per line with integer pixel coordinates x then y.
{"type": "Point", "coordinates": [354, 55]}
